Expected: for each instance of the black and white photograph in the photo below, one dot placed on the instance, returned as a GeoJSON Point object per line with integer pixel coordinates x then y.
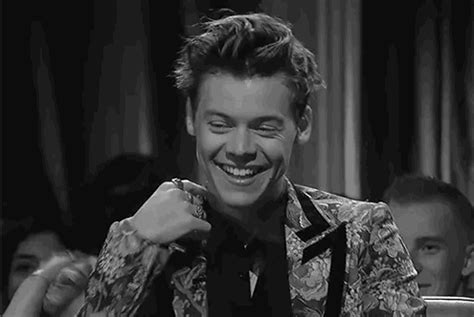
{"type": "Point", "coordinates": [214, 158]}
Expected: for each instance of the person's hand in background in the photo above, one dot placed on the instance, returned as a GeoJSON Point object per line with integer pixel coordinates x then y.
{"type": "Point", "coordinates": [28, 298]}
{"type": "Point", "coordinates": [65, 294]}
{"type": "Point", "coordinates": [54, 287]}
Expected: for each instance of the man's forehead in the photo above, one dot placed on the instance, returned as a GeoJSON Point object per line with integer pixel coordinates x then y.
{"type": "Point", "coordinates": [437, 208]}
{"type": "Point", "coordinates": [40, 241]}
{"type": "Point", "coordinates": [424, 219]}
{"type": "Point", "coordinates": [219, 78]}
{"type": "Point", "coordinates": [225, 92]}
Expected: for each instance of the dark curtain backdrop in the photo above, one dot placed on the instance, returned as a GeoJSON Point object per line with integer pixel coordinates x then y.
{"type": "Point", "coordinates": [417, 106]}
{"type": "Point", "coordinates": [90, 57]}
{"type": "Point", "coordinates": [165, 32]}
{"type": "Point", "coordinates": [19, 119]}
{"type": "Point", "coordinates": [74, 36]}
{"type": "Point", "coordinates": [25, 187]}
{"type": "Point", "coordinates": [387, 112]}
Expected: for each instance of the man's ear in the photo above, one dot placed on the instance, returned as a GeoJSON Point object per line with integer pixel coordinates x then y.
{"type": "Point", "coordinates": [189, 118]}
{"type": "Point", "coordinates": [468, 268]}
{"type": "Point", "coordinates": [304, 125]}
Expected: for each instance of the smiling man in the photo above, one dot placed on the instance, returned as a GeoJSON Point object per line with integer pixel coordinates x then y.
{"type": "Point", "coordinates": [245, 129]}
{"type": "Point", "coordinates": [436, 222]}
{"type": "Point", "coordinates": [246, 241]}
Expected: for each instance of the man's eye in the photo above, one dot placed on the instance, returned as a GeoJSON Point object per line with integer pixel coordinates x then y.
{"type": "Point", "coordinates": [267, 129]}
{"type": "Point", "coordinates": [218, 125]}
{"type": "Point", "coordinates": [24, 268]}
{"type": "Point", "coordinates": [430, 248]}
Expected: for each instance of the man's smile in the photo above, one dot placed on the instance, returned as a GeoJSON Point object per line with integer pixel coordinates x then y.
{"type": "Point", "coordinates": [240, 175]}
{"type": "Point", "coordinates": [241, 159]}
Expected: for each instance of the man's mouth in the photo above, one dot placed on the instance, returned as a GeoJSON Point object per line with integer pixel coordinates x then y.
{"type": "Point", "coordinates": [240, 172]}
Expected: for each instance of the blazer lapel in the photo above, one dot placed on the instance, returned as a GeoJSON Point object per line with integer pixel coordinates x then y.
{"type": "Point", "coordinates": [316, 252]}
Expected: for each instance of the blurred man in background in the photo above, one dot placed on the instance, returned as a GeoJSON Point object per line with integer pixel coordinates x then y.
{"type": "Point", "coordinates": [436, 222]}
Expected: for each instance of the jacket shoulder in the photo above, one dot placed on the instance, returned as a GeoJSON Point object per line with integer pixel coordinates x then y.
{"type": "Point", "coordinates": [343, 208]}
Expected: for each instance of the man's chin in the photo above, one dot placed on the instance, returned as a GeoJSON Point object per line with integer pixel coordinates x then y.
{"type": "Point", "coordinates": [425, 292]}
{"type": "Point", "coordinates": [238, 200]}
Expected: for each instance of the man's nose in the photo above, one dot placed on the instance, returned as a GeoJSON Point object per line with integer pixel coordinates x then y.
{"type": "Point", "coordinates": [241, 146]}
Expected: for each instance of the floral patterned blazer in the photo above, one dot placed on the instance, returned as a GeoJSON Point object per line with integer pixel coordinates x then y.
{"type": "Point", "coordinates": [345, 258]}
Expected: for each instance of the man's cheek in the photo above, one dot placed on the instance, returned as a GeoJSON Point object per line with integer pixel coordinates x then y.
{"type": "Point", "coordinates": [277, 152]}
{"type": "Point", "coordinates": [431, 267]}
{"type": "Point", "coordinates": [440, 269]}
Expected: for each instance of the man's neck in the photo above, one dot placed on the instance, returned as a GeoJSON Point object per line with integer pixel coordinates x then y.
{"type": "Point", "coordinates": [262, 222]}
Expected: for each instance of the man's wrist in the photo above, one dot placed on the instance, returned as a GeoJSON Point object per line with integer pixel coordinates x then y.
{"type": "Point", "coordinates": [128, 228]}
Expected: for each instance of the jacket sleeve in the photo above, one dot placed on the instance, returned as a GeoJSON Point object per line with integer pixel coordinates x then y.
{"type": "Point", "coordinates": [388, 275]}
{"type": "Point", "coordinates": [124, 272]}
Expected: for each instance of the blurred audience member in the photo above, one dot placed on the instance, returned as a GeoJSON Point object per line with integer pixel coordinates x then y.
{"type": "Point", "coordinates": [25, 247]}
{"type": "Point", "coordinates": [114, 192]}
{"type": "Point", "coordinates": [467, 288]}
{"type": "Point", "coordinates": [436, 222]}
{"type": "Point", "coordinates": [55, 289]}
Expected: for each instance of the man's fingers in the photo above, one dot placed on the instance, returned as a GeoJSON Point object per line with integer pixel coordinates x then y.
{"type": "Point", "coordinates": [178, 193]}
{"type": "Point", "coordinates": [194, 188]}
{"type": "Point", "coordinates": [166, 186]}
{"type": "Point", "coordinates": [195, 210]}
{"type": "Point", "coordinates": [200, 227]}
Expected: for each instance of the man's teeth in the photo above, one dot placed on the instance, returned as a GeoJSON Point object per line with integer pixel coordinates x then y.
{"type": "Point", "coordinates": [238, 171]}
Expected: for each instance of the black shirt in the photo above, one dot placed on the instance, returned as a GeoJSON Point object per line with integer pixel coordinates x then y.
{"type": "Point", "coordinates": [229, 261]}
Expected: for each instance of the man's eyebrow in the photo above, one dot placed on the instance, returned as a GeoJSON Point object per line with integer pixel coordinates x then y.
{"type": "Point", "coordinates": [25, 256]}
{"type": "Point", "coordinates": [278, 119]}
{"type": "Point", "coordinates": [261, 119]}
{"type": "Point", "coordinates": [425, 239]}
{"type": "Point", "coordinates": [209, 113]}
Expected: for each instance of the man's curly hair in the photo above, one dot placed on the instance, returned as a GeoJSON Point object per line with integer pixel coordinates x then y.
{"type": "Point", "coordinates": [246, 46]}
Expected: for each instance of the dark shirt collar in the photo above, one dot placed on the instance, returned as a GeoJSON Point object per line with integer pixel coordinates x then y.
{"type": "Point", "coordinates": [233, 236]}
{"type": "Point", "coordinates": [229, 263]}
